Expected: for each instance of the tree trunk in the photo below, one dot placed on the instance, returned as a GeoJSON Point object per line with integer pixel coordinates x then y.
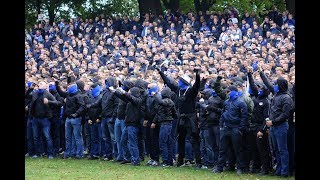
{"type": "Point", "coordinates": [290, 4]}
{"type": "Point", "coordinates": [51, 8]}
{"type": "Point", "coordinates": [147, 6]}
{"type": "Point", "coordinates": [38, 5]}
{"type": "Point", "coordinates": [197, 6]}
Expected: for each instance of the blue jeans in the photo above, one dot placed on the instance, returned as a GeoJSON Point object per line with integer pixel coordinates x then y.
{"type": "Point", "coordinates": [87, 138]}
{"type": "Point", "coordinates": [124, 143]}
{"type": "Point", "coordinates": [55, 134]}
{"type": "Point", "coordinates": [165, 143]}
{"type": "Point", "coordinates": [30, 142]}
{"type": "Point", "coordinates": [133, 144]}
{"type": "Point", "coordinates": [214, 133]}
{"type": "Point", "coordinates": [207, 146]}
{"type": "Point", "coordinates": [38, 126]}
{"type": "Point", "coordinates": [279, 135]}
{"type": "Point", "coordinates": [118, 128]}
{"type": "Point", "coordinates": [174, 143]}
{"type": "Point", "coordinates": [108, 137]}
{"type": "Point", "coordinates": [62, 134]}
{"type": "Point", "coordinates": [95, 130]}
{"type": "Point", "coordinates": [230, 137]}
{"type": "Point", "coordinates": [188, 149]}
{"type": "Point", "coordinates": [73, 127]}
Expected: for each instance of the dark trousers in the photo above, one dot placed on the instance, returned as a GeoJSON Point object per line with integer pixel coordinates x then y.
{"type": "Point", "coordinates": [55, 134]}
{"type": "Point", "coordinates": [195, 141]}
{"type": "Point", "coordinates": [152, 141]}
{"type": "Point", "coordinates": [174, 138]}
{"type": "Point", "coordinates": [291, 147]}
{"type": "Point", "coordinates": [253, 153]}
{"type": "Point", "coordinates": [30, 141]}
{"type": "Point", "coordinates": [230, 137]}
{"type": "Point", "coordinates": [210, 139]}
{"type": "Point", "coordinates": [141, 141]}
{"type": "Point", "coordinates": [96, 136]}
{"type": "Point", "coordinates": [38, 126]}
{"type": "Point", "coordinates": [165, 143]}
{"type": "Point", "coordinates": [264, 152]}
{"type": "Point", "coordinates": [279, 136]}
{"type": "Point", "coordinates": [188, 149]}
{"type": "Point", "coordinates": [87, 139]}
{"type": "Point", "coordinates": [133, 144]}
{"type": "Point", "coordinates": [62, 134]}
{"type": "Point", "coordinates": [106, 145]}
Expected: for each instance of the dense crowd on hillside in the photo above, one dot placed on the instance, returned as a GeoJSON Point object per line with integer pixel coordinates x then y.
{"type": "Point", "coordinates": [211, 89]}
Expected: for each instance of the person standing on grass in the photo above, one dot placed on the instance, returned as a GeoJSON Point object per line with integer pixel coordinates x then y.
{"type": "Point", "coordinates": [132, 120]}
{"type": "Point", "coordinates": [233, 123]}
{"type": "Point", "coordinates": [109, 104]}
{"type": "Point", "coordinates": [120, 129]}
{"type": "Point", "coordinates": [166, 113]}
{"type": "Point", "coordinates": [187, 124]}
{"type": "Point", "coordinates": [55, 120]}
{"type": "Point", "coordinates": [41, 113]}
{"type": "Point", "coordinates": [257, 134]}
{"type": "Point", "coordinates": [73, 110]}
{"type": "Point", "coordinates": [94, 122]}
{"type": "Point", "coordinates": [280, 108]}
{"type": "Point", "coordinates": [152, 134]}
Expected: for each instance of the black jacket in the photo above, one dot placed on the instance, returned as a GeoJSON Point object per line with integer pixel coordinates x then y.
{"type": "Point", "coordinates": [186, 98]}
{"type": "Point", "coordinates": [40, 110]}
{"type": "Point", "coordinates": [235, 114]}
{"type": "Point", "coordinates": [56, 110]}
{"type": "Point", "coordinates": [281, 104]}
{"type": "Point", "coordinates": [133, 109]}
{"type": "Point", "coordinates": [261, 106]}
{"type": "Point", "coordinates": [74, 103]}
{"type": "Point", "coordinates": [209, 110]}
{"type": "Point", "coordinates": [122, 105]}
{"type": "Point", "coordinates": [215, 105]}
{"type": "Point", "coordinates": [94, 113]}
{"type": "Point", "coordinates": [108, 101]}
{"type": "Point", "coordinates": [166, 111]}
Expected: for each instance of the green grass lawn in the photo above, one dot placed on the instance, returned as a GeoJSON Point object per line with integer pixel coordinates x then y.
{"type": "Point", "coordinates": [43, 168]}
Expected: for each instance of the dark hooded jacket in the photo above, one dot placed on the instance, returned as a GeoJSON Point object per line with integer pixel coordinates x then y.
{"type": "Point", "coordinates": [74, 103]}
{"type": "Point", "coordinates": [40, 110]}
{"type": "Point", "coordinates": [94, 113]}
{"type": "Point", "coordinates": [108, 101]}
{"type": "Point", "coordinates": [133, 109]}
{"type": "Point", "coordinates": [122, 105]}
{"type": "Point", "coordinates": [210, 110]}
{"type": "Point", "coordinates": [261, 106]}
{"type": "Point", "coordinates": [56, 109]}
{"type": "Point", "coordinates": [143, 87]}
{"type": "Point", "coordinates": [202, 108]}
{"type": "Point", "coordinates": [281, 104]}
{"type": "Point", "coordinates": [235, 114]}
{"type": "Point", "coordinates": [166, 112]}
{"type": "Point", "coordinates": [215, 105]}
{"type": "Point", "coordinates": [186, 99]}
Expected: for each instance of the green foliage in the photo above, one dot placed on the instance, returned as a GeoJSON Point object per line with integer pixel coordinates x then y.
{"type": "Point", "coordinates": [186, 5]}
{"type": "Point", "coordinates": [43, 168]}
{"type": "Point", "coordinates": [256, 6]}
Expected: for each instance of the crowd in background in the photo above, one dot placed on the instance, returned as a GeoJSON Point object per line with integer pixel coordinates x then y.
{"type": "Point", "coordinates": [189, 88]}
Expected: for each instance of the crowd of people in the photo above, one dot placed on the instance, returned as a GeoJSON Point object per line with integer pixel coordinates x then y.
{"type": "Point", "coordinates": [212, 90]}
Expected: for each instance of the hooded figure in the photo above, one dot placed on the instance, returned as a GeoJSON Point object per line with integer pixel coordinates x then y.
{"type": "Point", "coordinates": [165, 115]}
{"type": "Point", "coordinates": [186, 107]}
{"type": "Point", "coordinates": [132, 119]}
{"type": "Point", "coordinates": [279, 114]}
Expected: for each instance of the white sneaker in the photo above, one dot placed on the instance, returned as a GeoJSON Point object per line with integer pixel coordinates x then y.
{"type": "Point", "coordinates": [150, 162]}
{"type": "Point", "coordinates": [155, 163]}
